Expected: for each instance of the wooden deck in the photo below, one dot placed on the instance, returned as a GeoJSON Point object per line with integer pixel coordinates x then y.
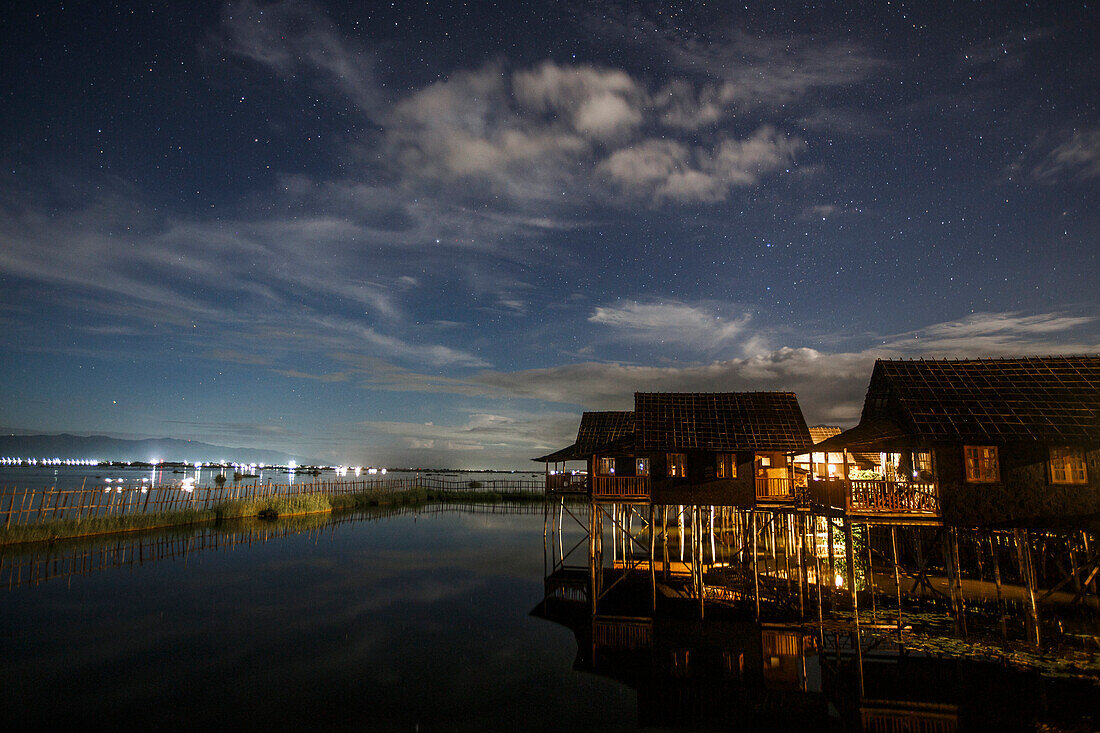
{"type": "Point", "coordinates": [567, 483]}
{"type": "Point", "coordinates": [876, 498]}
{"type": "Point", "coordinates": [771, 490]}
{"type": "Point", "coordinates": [620, 488]}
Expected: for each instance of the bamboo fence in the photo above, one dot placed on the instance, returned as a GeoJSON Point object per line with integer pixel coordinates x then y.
{"type": "Point", "coordinates": [22, 507]}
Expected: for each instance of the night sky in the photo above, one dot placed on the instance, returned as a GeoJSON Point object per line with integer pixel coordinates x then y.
{"type": "Point", "coordinates": [433, 233]}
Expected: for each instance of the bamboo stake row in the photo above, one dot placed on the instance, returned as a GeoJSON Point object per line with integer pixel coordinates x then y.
{"type": "Point", "coordinates": [20, 507]}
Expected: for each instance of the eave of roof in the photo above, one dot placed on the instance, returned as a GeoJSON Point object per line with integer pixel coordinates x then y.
{"type": "Point", "coordinates": [874, 434]}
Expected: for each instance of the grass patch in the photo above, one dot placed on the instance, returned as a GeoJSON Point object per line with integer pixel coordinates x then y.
{"type": "Point", "coordinates": [62, 528]}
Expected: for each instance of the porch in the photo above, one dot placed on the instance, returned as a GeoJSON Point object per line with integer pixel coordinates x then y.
{"type": "Point", "coordinates": [775, 490]}
{"type": "Point", "coordinates": [567, 483]}
{"type": "Point", "coordinates": [875, 497]}
{"type": "Point", "coordinates": [620, 488]}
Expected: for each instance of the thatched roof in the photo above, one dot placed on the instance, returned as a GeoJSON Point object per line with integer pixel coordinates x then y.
{"type": "Point", "coordinates": [1053, 399]}
{"type": "Point", "coordinates": [719, 421]}
{"type": "Point", "coordinates": [1050, 399]}
{"type": "Point", "coordinates": [600, 428]}
{"type": "Point", "coordinates": [819, 433]}
{"type": "Point", "coordinates": [599, 432]}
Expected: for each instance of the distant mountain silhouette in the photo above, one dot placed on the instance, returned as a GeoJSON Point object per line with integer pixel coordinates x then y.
{"type": "Point", "coordinates": [100, 447]}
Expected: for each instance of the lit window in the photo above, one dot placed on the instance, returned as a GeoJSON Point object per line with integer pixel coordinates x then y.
{"type": "Point", "coordinates": [981, 464]}
{"type": "Point", "coordinates": [606, 467]}
{"type": "Point", "coordinates": [727, 465]}
{"type": "Point", "coordinates": [641, 467]}
{"type": "Point", "coordinates": [1067, 466]}
{"type": "Point", "coordinates": [677, 465]}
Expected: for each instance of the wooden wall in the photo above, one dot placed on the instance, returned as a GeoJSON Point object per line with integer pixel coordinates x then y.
{"type": "Point", "coordinates": [1024, 494]}
{"type": "Point", "coordinates": [700, 486]}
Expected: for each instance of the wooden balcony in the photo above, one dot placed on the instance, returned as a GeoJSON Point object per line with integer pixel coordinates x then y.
{"type": "Point", "coordinates": [567, 483]}
{"type": "Point", "coordinates": [622, 632]}
{"type": "Point", "coordinates": [620, 488]}
{"type": "Point", "coordinates": [858, 496]}
{"type": "Point", "coordinates": [775, 490]}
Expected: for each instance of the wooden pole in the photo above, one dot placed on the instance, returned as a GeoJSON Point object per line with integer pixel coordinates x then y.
{"type": "Point", "coordinates": [652, 561]}
{"type": "Point", "coordinates": [871, 574]}
{"type": "Point", "coordinates": [995, 557]}
{"type": "Point", "coordinates": [832, 562]}
{"type": "Point", "coordinates": [1023, 555]}
{"type": "Point", "coordinates": [897, 571]}
{"type": "Point", "coordinates": [755, 573]}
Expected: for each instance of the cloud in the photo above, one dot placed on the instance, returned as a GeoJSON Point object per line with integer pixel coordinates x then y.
{"type": "Point", "coordinates": [672, 323]}
{"type": "Point", "coordinates": [1076, 158]}
{"type": "Point", "coordinates": [296, 39]}
{"type": "Point", "coordinates": [234, 287]}
{"type": "Point", "coordinates": [515, 434]}
{"type": "Point", "coordinates": [665, 170]}
{"type": "Point", "coordinates": [601, 103]}
{"type": "Point", "coordinates": [1002, 334]}
{"type": "Point", "coordinates": [830, 386]}
{"type": "Point", "coordinates": [743, 70]}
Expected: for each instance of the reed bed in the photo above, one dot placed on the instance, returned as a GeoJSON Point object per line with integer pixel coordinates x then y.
{"type": "Point", "coordinates": [51, 514]}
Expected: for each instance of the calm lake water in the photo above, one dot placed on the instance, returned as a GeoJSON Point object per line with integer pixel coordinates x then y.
{"type": "Point", "coordinates": [464, 618]}
{"type": "Point", "coordinates": [409, 622]}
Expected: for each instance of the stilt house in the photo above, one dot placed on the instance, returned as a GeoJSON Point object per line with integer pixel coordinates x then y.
{"type": "Point", "coordinates": [976, 442]}
{"type": "Point", "coordinates": [728, 448]}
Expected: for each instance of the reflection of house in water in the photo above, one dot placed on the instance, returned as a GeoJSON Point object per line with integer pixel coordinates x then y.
{"type": "Point", "coordinates": [732, 668]}
{"type": "Point", "coordinates": [974, 442]}
{"type": "Point", "coordinates": [728, 448]}
{"type": "Point", "coordinates": [724, 673]}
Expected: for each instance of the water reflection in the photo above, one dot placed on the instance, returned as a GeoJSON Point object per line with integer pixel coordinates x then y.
{"type": "Point", "coordinates": [724, 618]}
{"type": "Point", "coordinates": [38, 563]}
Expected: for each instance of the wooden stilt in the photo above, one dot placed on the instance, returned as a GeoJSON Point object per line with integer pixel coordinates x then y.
{"type": "Point", "coordinates": [832, 562]}
{"type": "Point", "coordinates": [755, 573]}
{"type": "Point", "coordinates": [849, 556]}
{"type": "Point", "coordinates": [897, 573]}
{"type": "Point", "coordinates": [652, 563]}
{"type": "Point", "coordinates": [1023, 555]}
{"type": "Point", "coordinates": [871, 574]}
{"type": "Point", "coordinates": [1002, 611]}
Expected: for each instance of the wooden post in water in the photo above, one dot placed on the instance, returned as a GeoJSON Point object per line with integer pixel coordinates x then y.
{"type": "Point", "coordinates": [954, 533]}
{"type": "Point", "coordinates": [871, 574]}
{"type": "Point", "coordinates": [952, 579]}
{"type": "Point", "coordinates": [832, 562]}
{"type": "Point", "coordinates": [1023, 554]}
{"type": "Point", "coordinates": [652, 561]}
{"type": "Point", "coordinates": [803, 588]}
{"type": "Point", "coordinates": [897, 571]}
{"type": "Point", "coordinates": [755, 573]}
{"type": "Point", "coordinates": [849, 556]}
{"type": "Point", "coordinates": [817, 573]}
{"type": "Point", "coordinates": [1002, 611]}
{"type": "Point", "coordinates": [22, 504]}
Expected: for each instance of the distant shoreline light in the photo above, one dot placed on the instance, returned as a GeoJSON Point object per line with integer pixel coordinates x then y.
{"type": "Point", "coordinates": [13, 461]}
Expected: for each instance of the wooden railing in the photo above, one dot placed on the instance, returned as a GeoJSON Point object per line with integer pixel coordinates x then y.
{"type": "Point", "coordinates": [620, 487]}
{"type": "Point", "coordinates": [893, 496]}
{"type": "Point", "coordinates": [774, 489]}
{"type": "Point", "coordinates": [567, 483]}
{"type": "Point", "coordinates": [611, 632]}
{"type": "Point", "coordinates": [876, 496]}
{"type": "Point", "coordinates": [881, 716]}
{"type": "Point", "coordinates": [831, 493]}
